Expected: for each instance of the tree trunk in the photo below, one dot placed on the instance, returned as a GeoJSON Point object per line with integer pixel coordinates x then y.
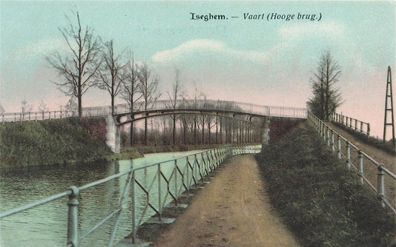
{"type": "Point", "coordinates": [209, 132]}
{"type": "Point", "coordinates": [145, 131]}
{"type": "Point", "coordinates": [174, 130]}
{"type": "Point", "coordinates": [203, 130]}
{"type": "Point", "coordinates": [195, 130]}
{"type": "Point", "coordinates": [112, 104]}
{"type": "Point", "coordinates": [79, 99]}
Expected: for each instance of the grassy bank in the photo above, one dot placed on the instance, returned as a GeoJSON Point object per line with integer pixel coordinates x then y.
{"type": "Point", "coordinates": [320, 201]}
{"type": "Point", "coordinates": [49, 142]}
{"type": "Point", "coordinates": [385, 146]}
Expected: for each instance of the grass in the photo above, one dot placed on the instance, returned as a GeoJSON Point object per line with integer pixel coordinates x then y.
{"type": "Point", "coordinates": [48, 142]}
{"type": "Point", "coordinates": [385, 146]}
{"type": "Point", "coordinates": [319, 199]}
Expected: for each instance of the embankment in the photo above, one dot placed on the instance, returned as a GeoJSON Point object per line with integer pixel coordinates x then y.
{"type": "Point", "coordinates": [318, 198]}
{"type": "Point", "coordinates": [49, 142]}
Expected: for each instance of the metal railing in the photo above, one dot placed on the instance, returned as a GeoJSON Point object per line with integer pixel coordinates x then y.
{"type": "Point", "coordinates": [377, 176]}
{"type": "Point", "coordinates": [100, 111]}
{"type": "Point", "coordinates": [146, 191]}
{"type": "Point", "coordinates": [35, 116]}
{"type": "Point", "coordinates": [352, 123]}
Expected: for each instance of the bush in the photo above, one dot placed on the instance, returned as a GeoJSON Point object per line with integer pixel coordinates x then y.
{"type": "Point", "coordinates": [319, 199]}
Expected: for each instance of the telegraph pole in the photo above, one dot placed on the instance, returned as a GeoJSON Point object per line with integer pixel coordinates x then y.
{"type": "Point", "coordinates": [389, 108]}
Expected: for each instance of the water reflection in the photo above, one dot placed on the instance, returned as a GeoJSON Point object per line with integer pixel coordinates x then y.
{"type": "Point", "coordinates": [46, 225]}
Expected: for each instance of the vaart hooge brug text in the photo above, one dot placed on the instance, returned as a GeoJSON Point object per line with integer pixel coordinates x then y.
{"type": "Point", "coordinates": [256, 16]}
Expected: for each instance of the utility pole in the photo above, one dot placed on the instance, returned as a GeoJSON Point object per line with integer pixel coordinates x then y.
{"type": "Point", "coordinates": [389, 108]}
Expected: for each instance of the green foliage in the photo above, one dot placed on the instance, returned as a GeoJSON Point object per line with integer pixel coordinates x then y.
{"type": "Point", "coordinates": [319, 199]}
{"type": "Point", "coordinates": [326, 97]}
{"type": "Point", "coordinates": [51, 142]}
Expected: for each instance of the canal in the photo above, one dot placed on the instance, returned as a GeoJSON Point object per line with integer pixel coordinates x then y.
{"type": "Point", "coordinates": [46, 225]}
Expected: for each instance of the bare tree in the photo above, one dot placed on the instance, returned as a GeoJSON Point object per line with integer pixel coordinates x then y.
{"type": "Point", "coordinates": [173, 98]}
{"type": "Point", "coordinates": [108, 76]}
{"type": "Point", "coordinates": [130, 88]}
{"type": "Point", "coordinates": [78, 67]}
{"type": "Point", "coordinates": [148, 84]}
{"type": "Point", "coordinates": [42, 108]}
{"type": "Point", "coordinates": [326, 97]}
{"type": "Point", "coordinates": [25, 108]}
{"type": "Point", "coordinates": [71, 105]}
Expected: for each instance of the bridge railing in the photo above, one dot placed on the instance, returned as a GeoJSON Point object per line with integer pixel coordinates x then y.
{"type": "Point", "coordinates": [379, 177]}
{"type": "Point", "coordinates": [35, 116]}
{"type": "Point", "coordinates": [100, 111]}
{"type": "Point", "coordinates": [352, 123]}
{"type": "Point", "coordinates": [144, 194]}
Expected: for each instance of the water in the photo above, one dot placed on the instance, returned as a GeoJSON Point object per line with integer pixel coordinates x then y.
{"type": "Point", "coordinates": [47, 225]}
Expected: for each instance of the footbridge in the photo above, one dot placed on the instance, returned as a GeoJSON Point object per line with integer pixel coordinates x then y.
{"type": "Point", "coordinates": [233, 122]}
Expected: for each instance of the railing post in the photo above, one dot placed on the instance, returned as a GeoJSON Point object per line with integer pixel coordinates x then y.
{"type": "Point", "coordinates": [339, 147]}
{"type": "Point", "coordinates": [361, 166]}
{"type": "Point", "coordinates": [328, 136]}
{"type": "Point", "coordinates": [381, 184]}
{"type": "Point", "coordinates": [133, 200]}
{"type": "Point", "coordinates": [72, 218]}
{"type": "Point", "coordinates": [368, 129]}
{"type": "Point", "coordinates": [348, 155]}
{"type": "Point", "coordinates": [175, 169]}
{"type": "Point", "coordinates": [188, 176]}
{"type": "Point", "coordinates": [159, 191]}
{"type": "Point", "coordinates": [332, 141]}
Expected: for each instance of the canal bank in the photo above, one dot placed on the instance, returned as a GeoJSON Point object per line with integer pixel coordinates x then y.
{"type": "Point", "coordinates": [51, 142]}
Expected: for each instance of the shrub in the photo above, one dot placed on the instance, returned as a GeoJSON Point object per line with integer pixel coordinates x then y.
{"type": "Point", "coordinates": [319, 199]}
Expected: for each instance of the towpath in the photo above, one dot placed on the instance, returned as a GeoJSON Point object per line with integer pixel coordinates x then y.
{"type": "Point", "coordinates": [233, 210]}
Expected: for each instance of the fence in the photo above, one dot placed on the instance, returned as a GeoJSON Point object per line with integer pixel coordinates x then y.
{"type": "Point", "coordinates": [352, 123]}
{"type": "Point", "coordinates": [146, 191]}
{"type": "Point", "coordinates": [377, 176]}
{"type": "Point", "coordinates": [35, 116]}
{"type": "Point", "coordinates": [100, 111]}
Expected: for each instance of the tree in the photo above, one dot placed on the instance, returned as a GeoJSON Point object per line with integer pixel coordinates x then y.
{"type": "Point", "coordinates": [42, 108]}
{"type": "Point", "coordinates": [326, 97]}
{"type": "Point", "coordinates": [71, 105]}
{"type": "Point", "coordinates": [108, 76]}
{"type": "Point", "coordinates": [173, 97]}
{"type": "Point", "coordinates": [26, 108]}
{"type": "Point", "coordinates": [81, 64]}
{"type": "Point", "coordinates": [148, 84]}
{"type": "Point", "coordinates": [130, 88]}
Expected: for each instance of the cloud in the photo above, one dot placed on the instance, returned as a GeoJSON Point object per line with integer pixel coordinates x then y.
{"type": "Point", "coordinates": [207, 46]}
{"type": "Point", "coordinates": [290, 36]}
{"type": "Point", "coordinates": [303, 30]}
{"type": "Point", "coordinates": [41, 48]}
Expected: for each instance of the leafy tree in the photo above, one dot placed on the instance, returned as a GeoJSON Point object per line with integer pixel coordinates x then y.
{"type": "Point", "coordinates": [326, 96]}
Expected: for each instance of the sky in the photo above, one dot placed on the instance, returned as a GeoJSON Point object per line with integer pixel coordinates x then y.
{"type": "Point", "coordinates": [254, 61]}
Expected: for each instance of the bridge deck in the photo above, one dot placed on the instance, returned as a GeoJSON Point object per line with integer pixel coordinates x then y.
{"type": "Point", "coordinates": [233, 210]}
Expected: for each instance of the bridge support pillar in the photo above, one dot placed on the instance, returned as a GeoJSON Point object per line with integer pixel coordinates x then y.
{"type": "Point", "coordinates": [113, 136]}
{"type": "Point", "coordinates": [265, 137]}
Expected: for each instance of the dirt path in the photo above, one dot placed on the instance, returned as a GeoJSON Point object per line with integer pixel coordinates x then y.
{"type": "Point", "coordinates": [376, 153]}
{"type": "Point", "coordinates": [233, 210]}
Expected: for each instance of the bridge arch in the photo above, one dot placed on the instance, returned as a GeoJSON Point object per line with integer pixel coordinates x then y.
{"type": "Point", "coordinates": [242, 126]}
